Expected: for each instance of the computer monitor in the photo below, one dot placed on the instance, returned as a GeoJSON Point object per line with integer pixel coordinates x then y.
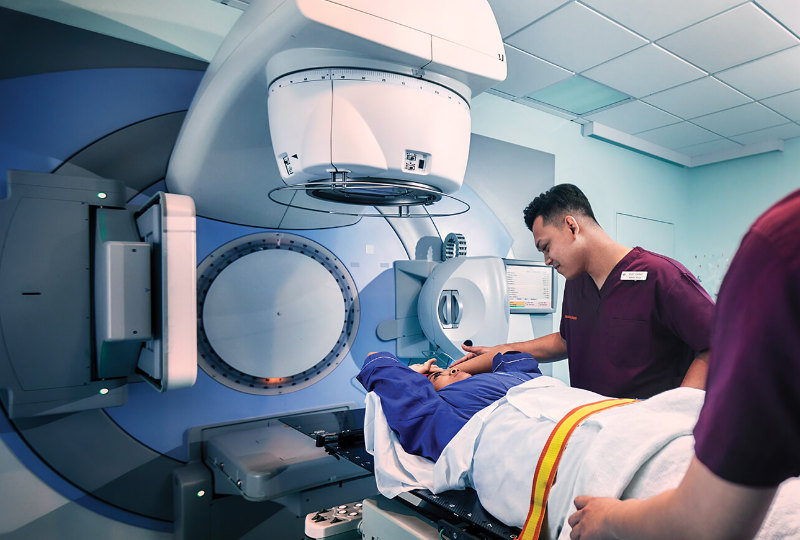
{"type": "Point", "coordinates": [531, 286]}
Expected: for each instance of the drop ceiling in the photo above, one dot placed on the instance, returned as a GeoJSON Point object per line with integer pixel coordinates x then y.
{"type": "Point", "coordinates": [696, 81]}
{"type": "Point", "coordinates": [688, 81]}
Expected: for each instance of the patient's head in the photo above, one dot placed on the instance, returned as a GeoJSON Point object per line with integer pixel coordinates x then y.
{"type": "Point", "coordinates": [444, 377]}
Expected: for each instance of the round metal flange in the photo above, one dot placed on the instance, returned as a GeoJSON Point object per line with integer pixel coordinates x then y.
{"type": "Point", "coordinates": [276, 313]}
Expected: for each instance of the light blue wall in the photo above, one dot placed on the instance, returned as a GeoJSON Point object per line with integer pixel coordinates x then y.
{"type": "Point", "coordinates": [711, 207]}
{"type": "Point", "coordinates": [725, 198]}
{"type": "Point", "coordinates": [613, 178]}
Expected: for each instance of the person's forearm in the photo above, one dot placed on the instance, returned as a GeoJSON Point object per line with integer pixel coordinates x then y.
{"type": "Point", "coordinates": [650, 518]}
{"type": "Point", "coordinates": [480, 364]}
{"type": "Point", "coordinates": [547, 348]}
{"type": "Point", "coordinates": [703, 506]}
{"type": "Point", "coordinates": [696, 374]}
{"type": "Point", "coordinates": [544, 349]}
{"type": "Point", "coordinates": [668, 517]}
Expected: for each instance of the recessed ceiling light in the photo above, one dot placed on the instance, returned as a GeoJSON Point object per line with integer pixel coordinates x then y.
{"type": "Point", "coordinates": [579, 95]}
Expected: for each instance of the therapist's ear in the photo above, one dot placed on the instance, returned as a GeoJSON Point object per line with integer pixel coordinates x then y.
{"type": "Point", "coordinates": [573, 225]}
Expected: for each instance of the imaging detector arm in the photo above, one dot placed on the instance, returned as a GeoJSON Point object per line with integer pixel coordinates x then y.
{"type": "Point", "coordinates": [75, 294]}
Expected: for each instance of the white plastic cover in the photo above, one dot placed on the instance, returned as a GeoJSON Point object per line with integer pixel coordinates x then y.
{"type": "Point", "coordinates": [371, 124]}
{"type": "Point", "coordinates": [170, 358]}
{"type": "Point", "coordinates": [478, 309]}
{"type": "Point", "coordinates": [223, 157]}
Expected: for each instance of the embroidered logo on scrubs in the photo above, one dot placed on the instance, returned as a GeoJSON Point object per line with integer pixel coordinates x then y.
{"type": "Point", "coordinates": [573, 317]}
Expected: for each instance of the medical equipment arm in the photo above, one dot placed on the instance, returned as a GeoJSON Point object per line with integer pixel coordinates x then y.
{"type": "Point", "coordinates": [702, 506]}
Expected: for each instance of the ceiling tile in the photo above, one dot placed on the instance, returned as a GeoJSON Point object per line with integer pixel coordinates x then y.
{"type": "Point", "coordinates": [785, 131]}
{"type": "Point", "coordinates": [533, 104]}
{"type": "Point", "coordinates": [709, 147]}
{"type": "Point", "coordinates": [633, 117]}
{"type": "Point", "coordinates": [769, 76]}
{"type": "Point", "coordinates": [655, 19]}
{"type": "Point", "coordinates": [578, 95]}
{"type": "Point", "coordinates": [644, 71]}
{"type": "Point", "coordinates": [697, 97]}
{"type": "Point", "coordinates": [678, 135]}
{"type": "Point", "coordinates": [787, 104]}
{"type": "Point", "coordinates": [732, 38]}
{"type": "Point", "coordinates": [576, 38]}
{"type": "Point", "coordinates": [526, 73]}
{"type": "Point", "coordinates": [511, 15]}
{"type": "Point", "coordinates": [786, 11]}
{"type": "Point", "coordinates": [498, 93]}
{"type": "Point", "coordinates": [741, 119]}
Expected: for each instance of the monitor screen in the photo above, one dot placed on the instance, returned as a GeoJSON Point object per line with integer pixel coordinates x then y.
{"type": "Point", "coordinates": [531, 286]}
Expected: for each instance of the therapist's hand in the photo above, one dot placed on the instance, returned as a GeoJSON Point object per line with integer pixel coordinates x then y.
{"type": "Point", "coordinates": [590, 522]}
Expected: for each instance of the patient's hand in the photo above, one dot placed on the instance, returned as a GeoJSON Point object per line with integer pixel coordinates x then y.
{"type": "Point", "coordinates": [425, 368]}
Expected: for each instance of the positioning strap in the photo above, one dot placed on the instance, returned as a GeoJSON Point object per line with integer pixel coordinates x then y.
{"type": "Point", "coordinates": [551, 456]}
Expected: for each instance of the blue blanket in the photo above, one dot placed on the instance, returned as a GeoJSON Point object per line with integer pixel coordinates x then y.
{"type": "Point", "coordinates": [425, 420]}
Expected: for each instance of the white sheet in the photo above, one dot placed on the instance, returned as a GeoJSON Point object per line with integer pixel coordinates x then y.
{"type": "Point", "coordinates": [636, 450]}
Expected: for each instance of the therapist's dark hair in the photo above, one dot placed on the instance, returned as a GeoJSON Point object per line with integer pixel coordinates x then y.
{"type": "Point", "coordinates": [557, 202]}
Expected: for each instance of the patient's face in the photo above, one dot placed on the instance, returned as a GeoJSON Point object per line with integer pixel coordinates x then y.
{"type": "Point", "coordinates": [442, 378]}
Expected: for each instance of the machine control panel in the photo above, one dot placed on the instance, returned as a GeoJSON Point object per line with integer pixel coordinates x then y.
{"type": "Point", "coordinates": [335, 521]}
{"type": "Point", "coordinates": [416, 162]}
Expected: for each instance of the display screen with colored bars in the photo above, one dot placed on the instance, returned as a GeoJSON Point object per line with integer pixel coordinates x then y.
{"type": "Point", "coordinates": [531, 286]}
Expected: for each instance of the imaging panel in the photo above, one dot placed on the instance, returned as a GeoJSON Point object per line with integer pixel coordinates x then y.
{"type": "Point", "coordinates": [45, 294]}
{"type": "Point", "coordinates": [531, 287]}
{"type": "Point", "coordinates": [75, 303]}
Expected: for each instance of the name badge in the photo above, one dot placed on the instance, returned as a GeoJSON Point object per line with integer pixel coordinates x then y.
{"type": "Point", "coordinates": [634, 276]}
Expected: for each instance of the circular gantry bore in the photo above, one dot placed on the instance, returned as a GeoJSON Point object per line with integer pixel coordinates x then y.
{"type": "Point", "coordinates": [276, 313]}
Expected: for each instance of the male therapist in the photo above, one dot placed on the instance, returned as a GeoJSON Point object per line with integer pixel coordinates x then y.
{"type": "Point", "coordinates": [634, 323]}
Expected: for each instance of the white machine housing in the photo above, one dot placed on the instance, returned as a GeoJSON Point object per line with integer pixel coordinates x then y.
{"type": "Point", "coordinates": [364, 87]}
{"type": "Point", "coordinates": [378, 127]}
{"type": "Point", "coordinates": [145, 293]}
{"type": "Point", "coordinates": [167, 222]}
{"type": "Point", "coordinates": [465, 298]}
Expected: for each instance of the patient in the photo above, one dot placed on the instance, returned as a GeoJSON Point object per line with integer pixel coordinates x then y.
{"type": "Point", "coordinates": [635, 451]}
{"type": "Point", "coordinates": [426, 414]}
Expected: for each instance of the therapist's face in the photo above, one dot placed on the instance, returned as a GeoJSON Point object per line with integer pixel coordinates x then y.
{"type": "Point", "coordinates": [444, 377]}
{"type": "Point", "coordinates": [558, 244]}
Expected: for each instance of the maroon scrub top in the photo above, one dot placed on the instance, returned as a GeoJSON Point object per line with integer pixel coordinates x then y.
{"type": "Point", "coordinates": [749, 429]}
{"type": "Point", "coordinates": [635, 338]}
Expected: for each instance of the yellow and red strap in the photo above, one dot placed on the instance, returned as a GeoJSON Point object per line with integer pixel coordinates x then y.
{"type": "Point", "coordinates": [551, 456]}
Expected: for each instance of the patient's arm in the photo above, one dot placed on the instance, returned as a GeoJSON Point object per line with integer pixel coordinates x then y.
{"type": "Point", "coordinates": [702, 506]}
{"type": "Point", "coordinates": [545, 349]}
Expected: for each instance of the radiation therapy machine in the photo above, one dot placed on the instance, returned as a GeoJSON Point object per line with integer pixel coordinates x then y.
{"type": "Point", "coordinates": [368, 104]}
{"type": "Point", "coordinates": [311, 115]}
